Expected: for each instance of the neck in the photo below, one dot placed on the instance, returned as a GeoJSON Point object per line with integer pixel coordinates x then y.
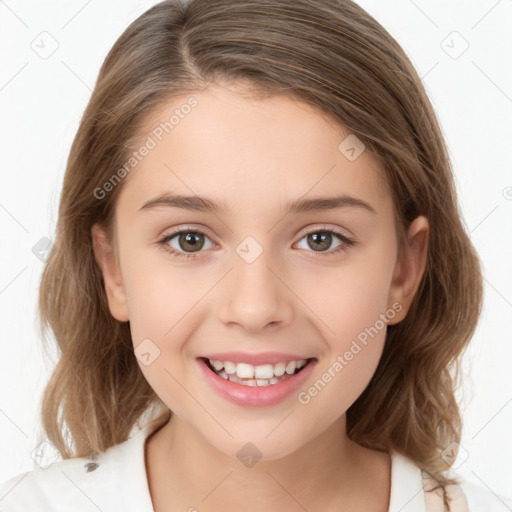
{"type": "Point", "coordinates": [186, 471]}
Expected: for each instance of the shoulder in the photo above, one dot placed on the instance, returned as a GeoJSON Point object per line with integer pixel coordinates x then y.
{"type": "Point", "coordinates": [464, 496]}
{"type": "Point", "coordinates": [414, 490]}
{"type": "Point", "coordinates": [55, 488]}
{"type": "Point", "coordinates": [481, 498]}
{"type": "Point", "coordinates": [112, 480]}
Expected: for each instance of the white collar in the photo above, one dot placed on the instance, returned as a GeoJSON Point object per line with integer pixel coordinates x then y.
{"type": "Point", "coordinates": [117, 479]}
{"type": "Point", "coordinates": [407, 494]}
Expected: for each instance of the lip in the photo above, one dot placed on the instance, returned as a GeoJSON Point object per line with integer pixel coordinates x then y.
{"type": "Point", "coordinates": [258, 396]}
{"type": "Point", "coordinates": [255, 359]}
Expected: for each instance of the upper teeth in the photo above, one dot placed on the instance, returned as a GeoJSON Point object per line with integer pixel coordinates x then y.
{"type": "Point", "coordinates": [264, 371]}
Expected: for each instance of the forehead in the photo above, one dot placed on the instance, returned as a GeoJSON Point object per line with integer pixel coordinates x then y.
{"type": "Point", "coordinates": [249, 151]}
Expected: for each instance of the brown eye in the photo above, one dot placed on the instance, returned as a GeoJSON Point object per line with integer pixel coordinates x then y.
{"type": "Point", "coordinates": [321, 240]}
{"type": "Point", "coordinates": [185, 243]}
{"type": "Point", "coordinates": [190, 242]}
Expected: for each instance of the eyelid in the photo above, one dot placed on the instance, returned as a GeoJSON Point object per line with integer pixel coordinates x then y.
{"type": "Point", "coordinates": [325, 227]}
{"type": "Point", "coordinates": [186, 228]}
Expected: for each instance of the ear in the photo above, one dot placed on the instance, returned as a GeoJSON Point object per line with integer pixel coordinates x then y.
{"type": "Point", "coordinates": [107, 261]}
{"type": "Point", "coordinates": [409, 268]}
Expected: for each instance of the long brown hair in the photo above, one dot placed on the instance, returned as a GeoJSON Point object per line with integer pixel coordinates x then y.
{"type": "Point", "coordinates": [334, 56]}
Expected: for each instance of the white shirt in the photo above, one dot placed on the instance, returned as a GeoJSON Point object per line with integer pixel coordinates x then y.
{"type": "Point", "coordinates": [116, 481]}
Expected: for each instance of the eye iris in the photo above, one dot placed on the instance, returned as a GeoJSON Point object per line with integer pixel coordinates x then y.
{"type": "Point", "coordinates": [192, 240]}
{"type": "Point", "coordinates": [321, 240]}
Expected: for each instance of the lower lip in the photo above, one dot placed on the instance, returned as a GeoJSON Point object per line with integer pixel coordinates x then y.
{"type": "Point", "coordinates": [257, 396]}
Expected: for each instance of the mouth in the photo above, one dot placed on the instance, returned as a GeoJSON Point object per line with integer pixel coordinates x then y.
{"type": "Point", "coordinates": [256, 376]}
{"type": "Point", "coordinates": [255, 386]}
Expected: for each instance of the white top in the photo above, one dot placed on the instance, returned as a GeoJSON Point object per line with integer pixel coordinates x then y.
{"type": "Point", "coordinates": [116, 481]}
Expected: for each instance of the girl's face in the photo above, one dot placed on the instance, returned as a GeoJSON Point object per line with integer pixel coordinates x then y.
{"type": "Point", "coordinates": [254, 277]}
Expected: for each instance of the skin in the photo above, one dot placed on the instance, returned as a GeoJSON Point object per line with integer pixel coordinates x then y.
{"type": "Point", "coordinates": [256, 155]}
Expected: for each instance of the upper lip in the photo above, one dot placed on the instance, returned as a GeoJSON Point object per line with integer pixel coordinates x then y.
{"type": "Point", "coordinates": [255, 359]}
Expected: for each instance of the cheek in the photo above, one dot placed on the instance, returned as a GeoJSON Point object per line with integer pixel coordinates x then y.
{"type": "Point", "coordinates": [339, 381]}
{"type": "Point", "coordinates": [351, 356]}
{"type": "Point", "coordinates": [350, 297]}
{"type": "Point", "coordinates": [160, 314]}
{"type": "Point", "coordinates": [159, 294]}
{"type": "Point", "coordinates": [165, 306]}
{"type": "Point", "coordinates": [352, 306]}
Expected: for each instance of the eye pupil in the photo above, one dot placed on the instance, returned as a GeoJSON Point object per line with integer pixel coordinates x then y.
{"type": "Point", "coordinates": [320, 240]}
{"type": "Point", "coordinates": [191, 239]}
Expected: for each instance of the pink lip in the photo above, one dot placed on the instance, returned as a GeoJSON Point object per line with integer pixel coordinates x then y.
{"type": "Point", "coordinates": [255, 359]}
{"type": "Point", "coordinates": [258, 396]}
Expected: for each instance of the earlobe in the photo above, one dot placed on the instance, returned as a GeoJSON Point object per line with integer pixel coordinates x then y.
{"type": "Point", "coordinates": [409, 267]}
{"type": "Point", "coordinates": [114, 286]}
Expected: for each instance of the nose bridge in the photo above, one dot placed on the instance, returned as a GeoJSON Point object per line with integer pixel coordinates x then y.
{"type": "Point", "coordinates": [255, 296]}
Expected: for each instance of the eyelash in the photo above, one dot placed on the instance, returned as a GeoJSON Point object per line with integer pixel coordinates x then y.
{"type": "Point", "coordinates": [347, 242]}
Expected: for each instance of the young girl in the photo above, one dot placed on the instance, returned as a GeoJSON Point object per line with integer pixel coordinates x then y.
{"type": "Point", "coordinates": [260, 284]}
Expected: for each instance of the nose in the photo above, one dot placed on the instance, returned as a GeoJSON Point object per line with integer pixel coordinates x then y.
{"type": "Point", "coordinates": [255, 295]}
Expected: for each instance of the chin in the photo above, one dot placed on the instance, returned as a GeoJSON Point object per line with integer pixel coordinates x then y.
{"type": "Point", "coordinates": [250, 449]}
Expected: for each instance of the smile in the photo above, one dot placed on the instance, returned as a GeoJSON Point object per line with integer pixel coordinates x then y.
{"type": "Point", "coordinates": [255, 385]}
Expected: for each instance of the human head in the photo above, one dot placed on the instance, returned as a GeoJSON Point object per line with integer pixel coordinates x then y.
{"type": "Point", "coordinates": [376, 94]}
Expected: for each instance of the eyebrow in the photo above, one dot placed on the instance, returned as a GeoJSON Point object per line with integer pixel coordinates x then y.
{"type": "Point", "coordinates": [205, 204]}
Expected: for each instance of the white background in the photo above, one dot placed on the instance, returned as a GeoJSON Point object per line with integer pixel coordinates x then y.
{"type": "Point", "coordinates": [41, 104]}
